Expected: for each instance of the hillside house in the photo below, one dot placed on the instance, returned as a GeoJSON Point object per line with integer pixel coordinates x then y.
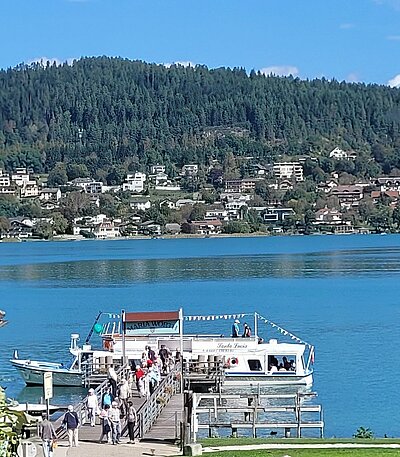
{"type": "Point", "coordinates": [326, 216]}
{"type": "Point", "coordinates": [245, 186]}
{"type": "Point", "coordinates": [391, 183]}
{"type": "Point", "coordinates": [150, 228]}
{"type": "Point", "coordinates": [276, 215]}
{"type": "Point", "coordinates": [339, 154]}
{"type": "Point", "coordinates": [29, 189]}
{"type": "Point", "coordinates": [156, 169]}
{"type": "Point", "coordinates": [190, 170]}
{"type": "Point", "coordinates": [288, 170]}
{"type": "Point", "coordinates": [216, 213]}
{"type": "Point", "coordinates": [134, 182]}
{"type": "Point", "coordinates": [52, 194]}
{"type": "Point", "coordinates": [106, 229]}
{"type": "Point", "coordinates": [212, 227]}
{"type": "Point", "coordinates": [140, 204]}
{"type": "Point", "coordinates": [20, 227]}
{"type": "Point", "coordinates": [348, 195]}
{"type": "Point", "coordinates": [393, 195]}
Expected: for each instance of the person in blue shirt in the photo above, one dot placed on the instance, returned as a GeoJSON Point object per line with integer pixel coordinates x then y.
{"type": "Point", "coordinates": [235, 329]}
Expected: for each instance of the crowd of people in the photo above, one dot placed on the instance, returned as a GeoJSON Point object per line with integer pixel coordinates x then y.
{"type": "Point", "coordinates": [284, 365]}
{"type": "Point", "coordinates": [115, 406]}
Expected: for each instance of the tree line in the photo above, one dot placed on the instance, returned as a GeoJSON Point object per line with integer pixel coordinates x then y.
{"type": "Point", "coordinates": [110, 116]}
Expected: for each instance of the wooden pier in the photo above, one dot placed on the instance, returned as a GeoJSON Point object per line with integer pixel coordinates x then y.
{"type": "Point", "coordinates": [162, 404]}
{"type": "Point", "coordinates": [168, 414]}
{"type": "Point", "coordinates": [167, 426]}
{"type": "Point", "coordinates": [254, 414]}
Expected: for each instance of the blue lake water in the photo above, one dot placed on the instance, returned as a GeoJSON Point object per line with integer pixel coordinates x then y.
{"type": "Point", "coordinates": [340, 293]}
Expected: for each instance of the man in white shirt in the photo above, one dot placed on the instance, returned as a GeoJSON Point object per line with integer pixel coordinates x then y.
{"type": "Point", "coordinates": [114, 416]}
{"type": "Point", "coordinates": [92, 407]}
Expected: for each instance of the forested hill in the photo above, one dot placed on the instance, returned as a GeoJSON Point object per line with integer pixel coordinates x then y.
{"type": "Point", "coordinates": [103, 111]}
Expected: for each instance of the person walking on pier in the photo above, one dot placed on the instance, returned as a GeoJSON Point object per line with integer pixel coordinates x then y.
{"type": "Point", "coordinates": [107, 398]}
{"type": "Point", "coordinates": [139, 377]}
{"type": "Point", "coordinates": [92, 405]}
{"type": "Point", "coordinates": [132, 418]}
{"type": "Point", "coordinates": [71, 421]}
{"type": "Point", "coordinates": [115, 417]}
{"type": "Point", "coordinates": [105, 424]}
{"type": "Point", "coordinates": [112, 379]}
{"type": "Point", "coordinates": [48, 436]}
{"type": "Point", "coordinates": [123, 396]}
{"type": "Point", "coordinates": [165, 355]}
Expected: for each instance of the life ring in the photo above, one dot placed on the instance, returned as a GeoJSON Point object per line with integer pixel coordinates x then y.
{"type": "Point", "coordinates": [232, 362]}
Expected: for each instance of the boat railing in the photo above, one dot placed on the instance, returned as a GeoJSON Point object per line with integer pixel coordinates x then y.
{"type": "Point", "coordinates": [210, 370]}
{"type": "Point", "coordinates": [122, 373]}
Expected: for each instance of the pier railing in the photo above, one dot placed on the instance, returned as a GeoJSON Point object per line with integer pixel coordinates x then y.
{"type": "Point", "coordinates": [122, 373]}
{"type": "Point", "coordinates": [148, 413]}
{"type": "Point", "coordinates": [254, 413]}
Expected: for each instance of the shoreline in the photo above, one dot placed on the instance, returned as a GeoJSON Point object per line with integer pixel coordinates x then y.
{"type": "Point", "coordinates": [69, 238]}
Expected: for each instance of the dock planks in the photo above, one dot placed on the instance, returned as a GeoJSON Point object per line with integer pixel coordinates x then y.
{"type": "Point", "coordinates": [166, 427]}
{"type": "Point", "coordinates": [92, 434]}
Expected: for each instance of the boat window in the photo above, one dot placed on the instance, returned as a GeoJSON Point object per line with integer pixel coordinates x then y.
{"type": "Point", "coordinates": [277, 362]}
{"type": "Point", "coordinates": [255, 365]}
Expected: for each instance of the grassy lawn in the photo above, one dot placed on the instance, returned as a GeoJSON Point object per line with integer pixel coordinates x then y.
{"type": "Point", "coordinates": [211, 442]}
{"type": "Point", "coordinates": [220, 442]}
{"type": "Point", "coordinates": [308, 453]}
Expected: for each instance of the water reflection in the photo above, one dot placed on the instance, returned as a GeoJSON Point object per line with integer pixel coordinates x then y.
{"type": "Point", "coordinates": [117, 273]}
{"type": "Point", "coordinates": [63, 395]}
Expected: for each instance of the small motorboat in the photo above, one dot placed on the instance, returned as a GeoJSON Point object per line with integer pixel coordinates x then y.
{"type": "Point", "coordinates": [32, 372]}
{"type": "Point", "coordinates": [3, 321]}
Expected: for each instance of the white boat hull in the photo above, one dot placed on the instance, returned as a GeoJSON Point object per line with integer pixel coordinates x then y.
{"type": "Point", "coordinates": [32, 373]}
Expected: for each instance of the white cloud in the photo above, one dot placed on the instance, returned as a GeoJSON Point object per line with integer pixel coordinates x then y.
{"type": "Point", "coordinates": [346, 26]}
{"type": "Point", "coordinates": [394, 82]}
{"type": "Point", "coordinates": [393, 37]}
{"type": "Point", "coordinates": [51, 60]}
{"type": "Point", "coordinates": [352, 78]}
{"type": "Point", "coordinates": [392, 3]}
{"type": "Point", "coordinates": [280, 70]}
{"type": "Point", "coordinates": [185, 63]}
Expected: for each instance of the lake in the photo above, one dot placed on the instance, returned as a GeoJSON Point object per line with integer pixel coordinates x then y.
{"type": "Point", "coordinates": [341, 293]}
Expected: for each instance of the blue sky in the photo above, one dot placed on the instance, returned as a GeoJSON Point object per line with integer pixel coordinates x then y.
{"type": "Point", "coordinates": [353, 40]}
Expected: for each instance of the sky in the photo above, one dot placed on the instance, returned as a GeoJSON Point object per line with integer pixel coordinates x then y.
{"type": "Point", "coordinates": [352, 40]}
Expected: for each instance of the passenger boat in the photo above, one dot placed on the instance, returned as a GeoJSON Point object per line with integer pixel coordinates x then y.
{"type": "Point", "coordinates": [2, 318]}
{"type": "Point", "coordinates": [243, 361]}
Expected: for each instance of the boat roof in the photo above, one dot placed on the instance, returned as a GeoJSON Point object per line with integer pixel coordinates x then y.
{"type": "Point", "coordinates": [150, 316]}
{"type": "Point", "coordinates": [170, 323]}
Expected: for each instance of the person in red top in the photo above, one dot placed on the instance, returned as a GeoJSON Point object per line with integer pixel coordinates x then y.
{"type": "Point", "coordinates": [139, 374]}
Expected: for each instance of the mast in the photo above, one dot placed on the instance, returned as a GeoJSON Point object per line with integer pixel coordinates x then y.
{"type": "Point", "coordinates": [92, 328]}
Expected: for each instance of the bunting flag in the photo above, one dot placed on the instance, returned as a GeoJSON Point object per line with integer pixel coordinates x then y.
{"type": "Point", "coordinates": [215, 317]}
{"type": "Point", "coordinates": [241, 315]}
{"type": "Point", "coordinates": [283, 331]}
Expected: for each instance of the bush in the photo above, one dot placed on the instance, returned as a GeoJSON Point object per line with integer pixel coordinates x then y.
{"type": "Point", "coordinates": [363, 432]}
